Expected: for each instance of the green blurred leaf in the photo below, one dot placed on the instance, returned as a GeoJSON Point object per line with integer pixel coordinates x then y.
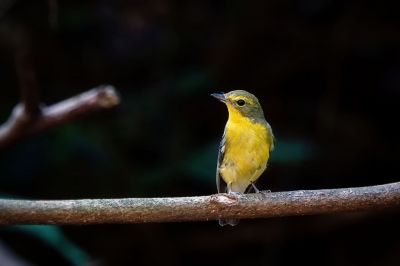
{"type": "Point", "coordinates": [55, 238]}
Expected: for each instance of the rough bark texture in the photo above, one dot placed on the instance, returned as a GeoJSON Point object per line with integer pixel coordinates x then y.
{"type": "Point", "coordinates": [145, 210]}
{"type": "Point", "coordinates": [23, 122]}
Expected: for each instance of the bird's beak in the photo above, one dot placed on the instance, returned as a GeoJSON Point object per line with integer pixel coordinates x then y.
{"type": "Point", "coordinates": [220, 96]}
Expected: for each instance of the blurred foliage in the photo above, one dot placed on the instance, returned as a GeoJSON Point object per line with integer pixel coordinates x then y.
{"type": "Point", "coordinates": [327, 74]}
{"type": "Point", "coordinates": [55, 238]}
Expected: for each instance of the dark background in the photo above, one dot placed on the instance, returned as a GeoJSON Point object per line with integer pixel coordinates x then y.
{"type": "Point", "coordinates": [327, 74]}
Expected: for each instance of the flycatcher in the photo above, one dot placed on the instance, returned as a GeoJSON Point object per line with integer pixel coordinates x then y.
{"type": "Point", "coordinates": [245, 146]}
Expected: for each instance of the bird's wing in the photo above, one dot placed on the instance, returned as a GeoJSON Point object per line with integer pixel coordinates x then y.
{"type": "Point", "coordinates": [221, 185]}
{"type": "Point", "coordinates": [272, 145]}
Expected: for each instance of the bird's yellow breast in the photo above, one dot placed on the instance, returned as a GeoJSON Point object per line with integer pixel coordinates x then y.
{"type": "Point", "coordinates": [247, 147]}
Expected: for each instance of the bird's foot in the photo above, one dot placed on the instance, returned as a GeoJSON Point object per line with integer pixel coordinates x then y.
{"type": "Point", "coordinates": [235, 195]}
{"type": "Point", "coordinates": [264, 192]}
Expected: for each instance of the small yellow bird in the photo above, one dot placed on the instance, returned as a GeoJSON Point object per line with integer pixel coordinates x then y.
{"type": "Point", "coordinates": [245, 146]}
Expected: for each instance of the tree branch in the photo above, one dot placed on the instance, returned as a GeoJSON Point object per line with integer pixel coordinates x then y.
{"type": "Point", "coordinates": [21, 123]}
{"type": "Point", "coordinates": [145, 210]}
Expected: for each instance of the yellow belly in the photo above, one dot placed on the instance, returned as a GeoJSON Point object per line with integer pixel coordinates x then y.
{"type": "Point", "coordinates": [247, 147]}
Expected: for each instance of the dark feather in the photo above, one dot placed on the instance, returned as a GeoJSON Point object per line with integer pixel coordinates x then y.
{"type": "Point", "coordinates": [221, 185]}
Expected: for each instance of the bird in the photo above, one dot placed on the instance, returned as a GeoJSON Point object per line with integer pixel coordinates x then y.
{"type": "Point", "coordinates": [245, 146]}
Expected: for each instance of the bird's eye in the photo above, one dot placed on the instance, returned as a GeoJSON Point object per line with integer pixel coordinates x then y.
{"type": "Point", "coordinates": [240, 102]}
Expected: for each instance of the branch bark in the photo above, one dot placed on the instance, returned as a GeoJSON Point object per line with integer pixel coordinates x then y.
{"type": "Point", "coordinates": [203, 208]}
{"type": "Point", "coordinates": [21, 123]}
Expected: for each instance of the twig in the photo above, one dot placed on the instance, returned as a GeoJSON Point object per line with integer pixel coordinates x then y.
{"type": "Point", "coordinates": [145, 210]}
{"type": "Point", "coordinates": [21, 123]}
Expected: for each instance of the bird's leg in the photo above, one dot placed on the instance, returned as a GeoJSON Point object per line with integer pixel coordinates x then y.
{"type": "Point", "coordinates": [260, 191]}
{"type": "Point", "coordinates": [255, 188]}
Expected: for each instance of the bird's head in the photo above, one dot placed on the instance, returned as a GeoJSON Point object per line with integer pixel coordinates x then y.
{"type": "Point", "coordinates": [241, 102]}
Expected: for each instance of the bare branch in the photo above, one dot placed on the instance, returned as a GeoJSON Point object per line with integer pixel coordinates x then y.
{"type": "Point", "coordinates": [145, 210]}
{"type": "Point", "coordinates": [21, 123]}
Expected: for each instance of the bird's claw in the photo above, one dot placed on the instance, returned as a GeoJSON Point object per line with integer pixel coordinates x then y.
{"type": "Point", "coordinates": [235, 195]}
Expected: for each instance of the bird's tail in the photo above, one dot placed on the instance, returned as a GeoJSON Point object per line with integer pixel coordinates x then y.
{"type": "Point", "coordinates": [231, 222]}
